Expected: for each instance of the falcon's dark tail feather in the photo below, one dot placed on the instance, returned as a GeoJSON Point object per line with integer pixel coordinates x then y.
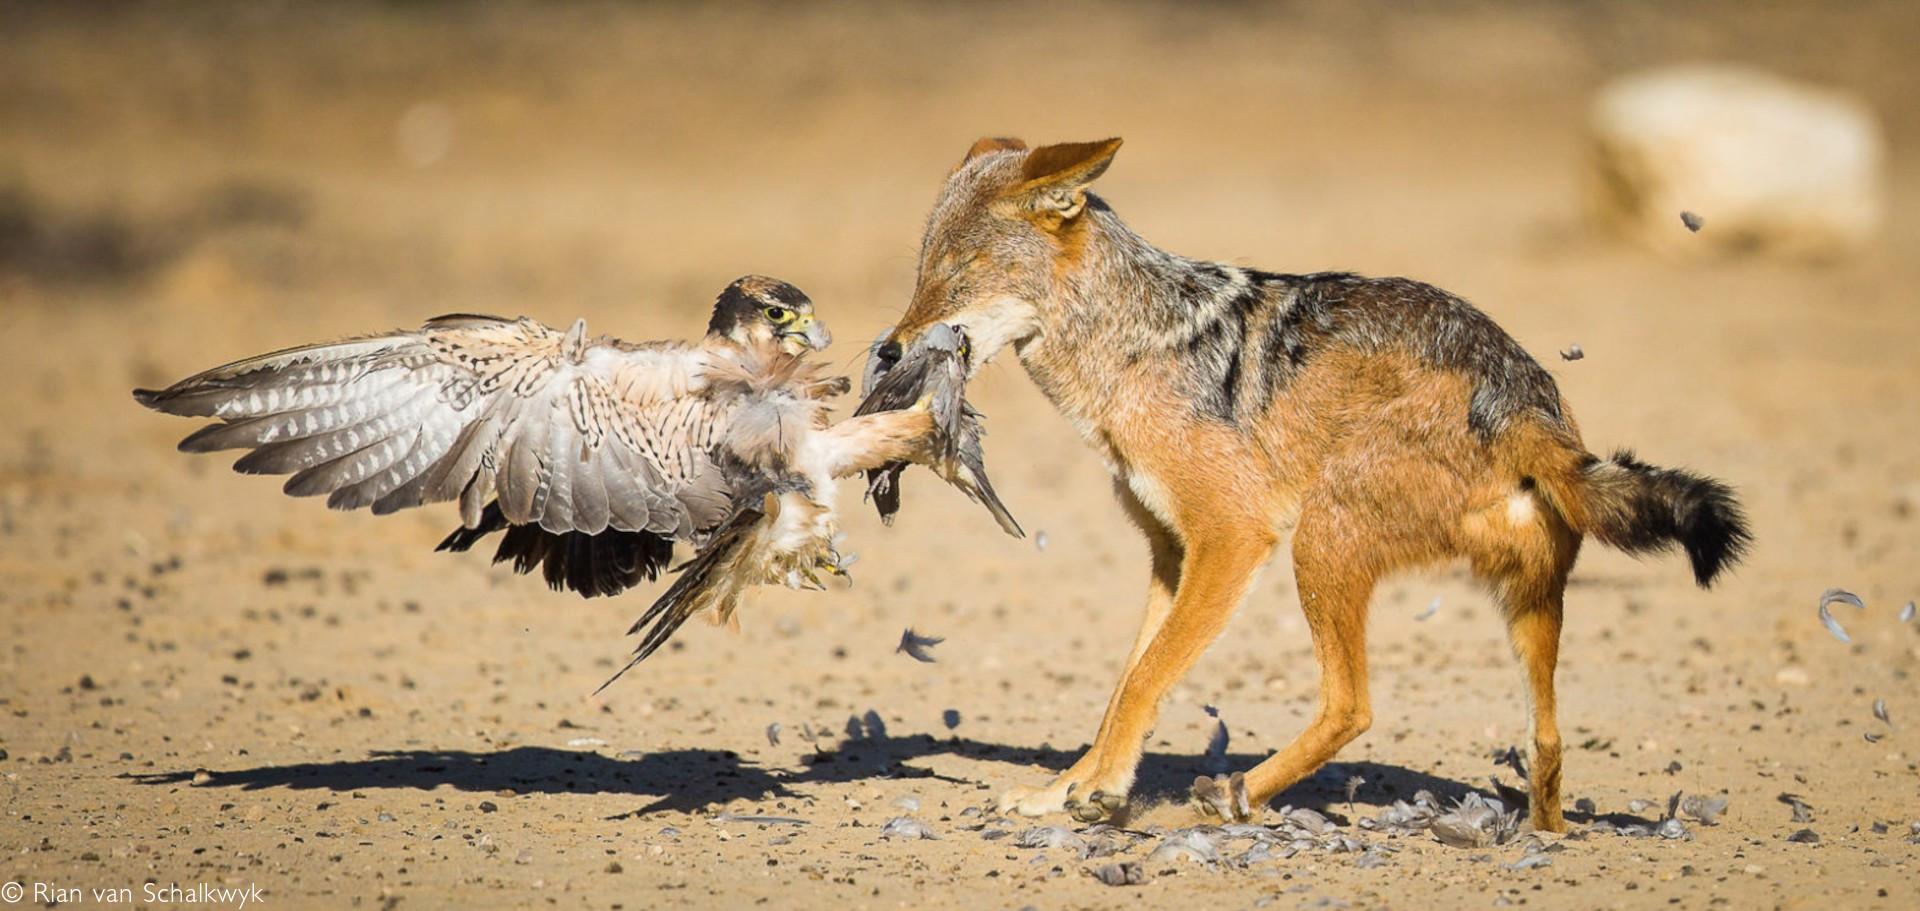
{"type": "Point", "coordinates": [604, 564]}
{"type": "Point", "coordinates": [695, 590]}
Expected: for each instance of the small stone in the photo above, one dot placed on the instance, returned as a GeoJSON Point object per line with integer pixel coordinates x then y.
{"type": "Point", "coordinates": [488, 806]}
{"type": "Point", "coordinates": [1120, 875]}
{"type": "Point", "coordinates": [1786, 168]}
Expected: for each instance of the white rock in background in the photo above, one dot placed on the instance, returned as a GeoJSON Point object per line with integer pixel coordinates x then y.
{"type": "Point", "coordinates": [1771, 165]}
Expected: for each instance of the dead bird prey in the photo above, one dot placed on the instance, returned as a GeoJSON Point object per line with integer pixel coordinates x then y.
{"type": "Point", "coordinates": [593, 455]}
{"type": "Point", "coordinates": [933, 369]}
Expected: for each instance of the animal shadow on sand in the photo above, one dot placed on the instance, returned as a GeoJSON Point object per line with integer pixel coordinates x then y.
{"type": "Point", "coordinates": [689, 780]}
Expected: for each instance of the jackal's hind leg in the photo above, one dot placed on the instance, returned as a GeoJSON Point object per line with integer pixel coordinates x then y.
{"type": "Point", "coordinates": [1527, 563]}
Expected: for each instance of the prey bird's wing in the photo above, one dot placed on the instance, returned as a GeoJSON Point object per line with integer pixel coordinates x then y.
{"type": "Point", "coordinates": [523, 424]}
{"type": "Point", "coordinates": [934, 369]}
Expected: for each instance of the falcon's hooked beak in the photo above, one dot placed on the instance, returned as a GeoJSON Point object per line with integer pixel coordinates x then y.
{"type": "Point", "coordinates": [808, 331]}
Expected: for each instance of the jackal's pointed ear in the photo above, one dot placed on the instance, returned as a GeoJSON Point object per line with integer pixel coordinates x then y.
{"type": "Point", "coordinates": [1055, 177]}
{"type": "Point", "coordinates": [994, 144]}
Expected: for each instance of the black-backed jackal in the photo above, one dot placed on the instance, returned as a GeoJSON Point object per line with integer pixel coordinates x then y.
{"type": "Point", "coordinates": [1388, 422]}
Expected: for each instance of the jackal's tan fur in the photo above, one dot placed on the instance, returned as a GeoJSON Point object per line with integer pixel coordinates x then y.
{"type": "Point", "coordinates": [1389, 423]}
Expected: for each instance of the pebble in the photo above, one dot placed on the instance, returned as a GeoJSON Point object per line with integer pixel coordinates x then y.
{"type": "Point", "coordinates": [1120, 875]}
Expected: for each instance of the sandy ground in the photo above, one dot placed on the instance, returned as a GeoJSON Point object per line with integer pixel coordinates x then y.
{"type": "Point", "coordinates": [204, 682]}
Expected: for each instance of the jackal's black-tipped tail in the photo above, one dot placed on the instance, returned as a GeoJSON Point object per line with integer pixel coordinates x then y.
{"type": "Point", "coordinates": [1642, 509]}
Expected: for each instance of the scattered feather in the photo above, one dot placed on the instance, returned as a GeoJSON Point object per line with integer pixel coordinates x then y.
{"type": "Point", "coordinates": [1843, 596]}
{"type": "Point", "coordinates": [1880, 710]}
{"type": "Point", "coordinates": [773, 734]}
{"type": "Point", "coordinates": [916, 646]}
{"type": "Point", "coordinates": [906, 828]}
{"type": "Point", "coordinates": [1476, 822]}
{"type": "Point", "coordinates": [1802, 811]}
{"type": "Point", "coordinates": [1185, 844]}
{"type": "Point", "coordinates": [1312, 821]}
{"type": "Point", "coordinates": [1706, 809]}
{"type": "Point", "coordinates": [1433, 607]}
{"type": "Point", "coordinates": [1573, 353]}
{"type": "Point", "coordinates": [1906, 613]}
{"type": "Point", "coordinates": [1104, 840]}
{"type": "Point", "coordinates": [1354, 783]}
{"type": "Point", "coordinates": [1529, 862]}
{"type": "Point", "coordinates": [1872, 736]}
{"type": "Point", "coordinates": [1373, 857]}
{"type": "Point", "coordinates": [1671, 829]}
{"type": "Point", "coordinates": [762, 820]}
{"type": "Point", "coordinates": [1040, 541]}
{"type": "Point", "coordinates": [1692, 220]}
{"type": "Point", "coordinates": [1051, 837]}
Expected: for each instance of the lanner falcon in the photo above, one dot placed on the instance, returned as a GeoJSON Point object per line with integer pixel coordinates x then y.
{"type": "Point", "coordinates": [593, 455]}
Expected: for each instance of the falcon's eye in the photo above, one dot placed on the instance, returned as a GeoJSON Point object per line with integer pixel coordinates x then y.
{"type": "Point", "coordinates": [779, 315]}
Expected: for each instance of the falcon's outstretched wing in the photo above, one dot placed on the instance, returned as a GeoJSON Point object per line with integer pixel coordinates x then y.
{"type": "Point", "coordinates": [934, 367]}
{"type": "Point", "coordinates": [554, 437]}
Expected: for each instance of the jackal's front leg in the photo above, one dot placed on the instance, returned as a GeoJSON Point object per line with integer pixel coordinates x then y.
{"type": "Point", "coordinates": [1167, 554]}
{"type": "Point", "coordinates": [1213, 578]}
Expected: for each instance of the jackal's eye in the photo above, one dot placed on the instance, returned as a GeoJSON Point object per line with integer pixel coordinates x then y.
{"type": "Point", "coordinates": [779, 315]}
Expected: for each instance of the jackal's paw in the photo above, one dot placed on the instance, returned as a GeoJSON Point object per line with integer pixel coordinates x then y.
{"type": "Point", "coordinates": [1098, 806]}
{"type": "Point", "coordinates": [1223, 800]}
{"type": "Point", "coordinates": [1036, 801]}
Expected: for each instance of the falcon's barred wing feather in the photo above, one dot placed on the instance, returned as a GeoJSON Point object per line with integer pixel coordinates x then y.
{"type": "Point", "coordinates": [561, 432]}
{"type": "Point", "coordinates": [591, 457]}
{"type": "Point", "coordinates": [934, 368]}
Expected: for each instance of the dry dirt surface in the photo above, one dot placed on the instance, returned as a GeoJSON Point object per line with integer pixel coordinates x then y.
{"type": "Point", "coordinates": [206, 684]}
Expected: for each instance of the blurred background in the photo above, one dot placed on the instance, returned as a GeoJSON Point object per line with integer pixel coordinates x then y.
{"type": "Point", "coordinates": [184, 184]}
